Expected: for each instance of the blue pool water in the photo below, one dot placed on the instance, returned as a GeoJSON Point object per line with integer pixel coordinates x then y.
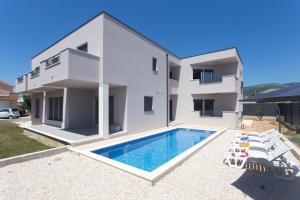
{"type": "Point", "coordinates": [150, 152]}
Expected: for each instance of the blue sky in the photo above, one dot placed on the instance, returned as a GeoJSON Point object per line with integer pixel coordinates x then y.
{"type": "Point", "coordinates": [266, 33]}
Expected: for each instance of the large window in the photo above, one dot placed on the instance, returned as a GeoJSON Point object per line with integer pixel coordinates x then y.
{"type": "Point", "coordinates": [204, 75]}
{"type": "Point", "coordinates": [205, 107]}
{"type": "Point", "coordinates": [148, 104]}
{"type": "Point", "coordinates": [83, 47]}
{"type": "Point", "coordinates": [154, 64]}
{"type": "Point", "coordinates": [55, 108]}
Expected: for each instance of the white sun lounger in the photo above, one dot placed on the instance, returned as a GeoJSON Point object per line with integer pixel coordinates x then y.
{"type": "Point", "coordinates": [254, 144]}
{"type": "Point", "coordinates": [268, 136]}
{"type": "Point", "coordinates": [256, 134]}
{"type": "Point", "coordinates": [272, 158]}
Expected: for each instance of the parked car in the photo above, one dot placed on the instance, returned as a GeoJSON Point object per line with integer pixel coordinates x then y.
{"type": "Point", "coordinates": [10, 113]}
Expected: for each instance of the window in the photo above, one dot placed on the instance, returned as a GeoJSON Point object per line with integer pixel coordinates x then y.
{"type": "Point", "coordinates": [206, 107]}
{"type": "Point", "coordinates": [209, 107]}
{"type": "Point", "coordinates": [208, 76]}
{"type": "Point", "coordinates": [55, 108]}
{"type": "Point", "coordinates": [35, 72]}
{"type": "Point", "coordinates": [83, 47]}
{"type": "Point", "coordinates": [37, 108]}
{"type": "Point", "coordinates": [53, 60]}
{"type": "Point", "coordinates": [198, 105]}
{"type": "Point", "coordinates": [197, 74]}
{"type": "Point", "coordinates": [154, 64]}
{"type": "Point", "coordinates": [148, 104]}
{"type": "Point", "coordinates": [4, 110]}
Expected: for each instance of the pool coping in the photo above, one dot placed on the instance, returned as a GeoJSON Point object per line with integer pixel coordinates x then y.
{"type": "Point", "coordinates": [158, 173]}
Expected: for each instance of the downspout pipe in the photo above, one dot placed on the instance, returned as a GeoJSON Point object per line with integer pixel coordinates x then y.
{"type": "Point", "coordinates": [167, 83]}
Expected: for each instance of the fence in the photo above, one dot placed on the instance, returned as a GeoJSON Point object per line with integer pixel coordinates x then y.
{"type": "Point", "coordinates": [269, 109]}
{"type": "Point", "coordinates": [290, 112]}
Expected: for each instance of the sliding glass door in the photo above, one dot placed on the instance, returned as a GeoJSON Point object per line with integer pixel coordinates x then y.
{"type": "Point", "coordinates": [203, 75]}
{"type": "Point", "coordinates": [55, 108]}
{"type": "Point", "coordinates": [208, 76]}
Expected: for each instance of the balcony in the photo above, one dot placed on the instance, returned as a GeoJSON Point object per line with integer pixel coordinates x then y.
{"type": "Point", "coordinates": [68, 68]}
{"type": "Point", "coordinates": [21, 83]}
{"type": "Point", "coordinates": [173, 86]}
{"type": "Point", "coordinates": [228, 84]}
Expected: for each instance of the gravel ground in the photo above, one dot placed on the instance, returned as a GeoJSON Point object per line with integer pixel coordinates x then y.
{"type": "Point", "coordinates": [203, 176]}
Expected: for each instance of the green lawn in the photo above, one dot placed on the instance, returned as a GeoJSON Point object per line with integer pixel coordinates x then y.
{"type": "Point", "coordinates": [13, 142]}
{"type": "Point", "coordinates": [293, 137]}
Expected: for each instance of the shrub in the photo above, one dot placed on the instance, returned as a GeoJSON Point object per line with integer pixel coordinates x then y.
{"type": "Point", "coordinates": [259, 111]}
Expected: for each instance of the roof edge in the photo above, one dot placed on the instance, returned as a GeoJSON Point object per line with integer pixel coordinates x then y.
{"type": "Point", "coordinates": [215, 51]}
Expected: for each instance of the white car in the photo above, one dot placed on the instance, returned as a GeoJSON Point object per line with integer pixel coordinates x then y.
{"type": "Point", "coordinates": [10, 113]}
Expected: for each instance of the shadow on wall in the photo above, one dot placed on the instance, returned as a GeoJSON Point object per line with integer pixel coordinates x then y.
{"type": "Point", "coordinates": [261, 186]}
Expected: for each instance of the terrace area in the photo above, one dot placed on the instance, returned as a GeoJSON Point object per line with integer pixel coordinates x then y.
{"type": "Point", "coordinates": [203, 176]}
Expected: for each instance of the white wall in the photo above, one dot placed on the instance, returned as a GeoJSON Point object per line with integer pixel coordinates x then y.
{"type": "Point", "coordinates": [80, 108]}
{"type": "Point", "coordinates": [90, 32]}
{"type": "Point", "coordinates": [128, 62]}
{"type": "Point", "coordinates": [35, 96]}
{"type": "Point", "coordinates": [223, 101]}
{"type": "Point", "coordinates": [120, 104]}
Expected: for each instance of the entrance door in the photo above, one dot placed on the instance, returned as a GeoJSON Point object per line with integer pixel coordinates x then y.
{"type": "Point", "coordinates": [96, 111]}
{"type": "Point", "coordinates": [111, 110]}
{"type": "Point", "coordinates": [171, 112]}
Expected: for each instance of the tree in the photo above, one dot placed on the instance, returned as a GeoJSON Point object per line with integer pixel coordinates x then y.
{"type": "Point", "coordinates": [259, 111]}
{"type": "Point", "coordinates": [26, 102]}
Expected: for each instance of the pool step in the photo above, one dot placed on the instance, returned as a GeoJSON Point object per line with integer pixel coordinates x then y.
{"type": "Point", "coordinates": [175, 123]}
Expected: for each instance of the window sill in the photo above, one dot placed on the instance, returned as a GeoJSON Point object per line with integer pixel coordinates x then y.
{"type": "Point", "coordinates": [149, 112]}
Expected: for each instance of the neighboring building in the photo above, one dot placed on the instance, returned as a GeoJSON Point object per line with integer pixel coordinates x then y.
{"type": "Point", "coordinates": [8, 99]}
{"type": "Point", "coordinates": [105, 74]}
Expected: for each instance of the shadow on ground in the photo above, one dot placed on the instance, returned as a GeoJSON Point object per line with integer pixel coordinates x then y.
{"type": "Point", "coordinates": [264, 186]}
{"type": "Point", "coordinates": [89, 131]}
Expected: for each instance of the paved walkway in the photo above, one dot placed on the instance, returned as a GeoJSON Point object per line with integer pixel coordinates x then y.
{"type": "Point", "coordinates": [203, 176]}
{"type": "Point", "coordinates": [71, 135]}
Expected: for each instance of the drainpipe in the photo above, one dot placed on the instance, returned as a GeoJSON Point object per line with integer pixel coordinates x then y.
{"type": "Point", "coordinates": [167, 76]}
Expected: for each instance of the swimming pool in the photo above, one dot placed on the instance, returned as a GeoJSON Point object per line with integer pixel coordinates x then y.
{"type": "Point", "coordinates": [151, 155]}
{"type": "Point", "coordinates": [151, 152]}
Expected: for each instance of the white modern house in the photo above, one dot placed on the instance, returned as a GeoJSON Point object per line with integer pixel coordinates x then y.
{"type": "Point", "coordinates": [106, 76]}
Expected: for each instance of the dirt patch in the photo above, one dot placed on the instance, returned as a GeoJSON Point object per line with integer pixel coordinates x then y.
{"type": "Point", "coordinates": [42, 139]}
{"type": "Point", "coordinates": [264, 125]}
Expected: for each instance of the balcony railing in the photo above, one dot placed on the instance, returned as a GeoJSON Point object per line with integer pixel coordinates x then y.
{"type": "Point", "coordinates": [225, 84]}
{"type": "Point", "coordinates": [70, 64]}
{"type": "Point", "coordinates": [35, 72]}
